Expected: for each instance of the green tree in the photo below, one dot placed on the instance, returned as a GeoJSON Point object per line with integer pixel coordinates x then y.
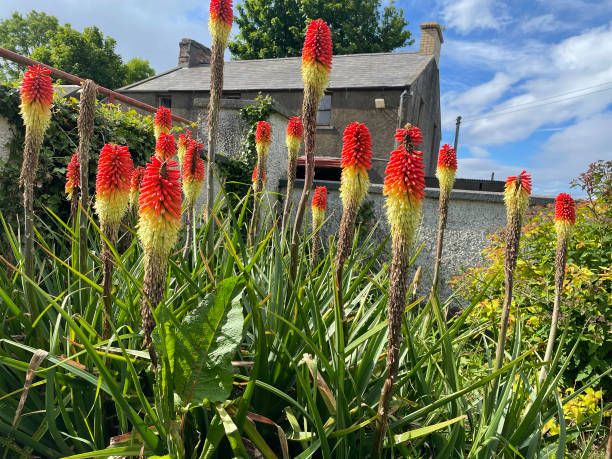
{"type": "Point", "coordinates": [137, 69]}
{"type": "Point", "coordinates": [87, 54]}
{"type": "Point", "coordinates": [22, 35]}
{"type": "Point", "coordinates": [275, 28]}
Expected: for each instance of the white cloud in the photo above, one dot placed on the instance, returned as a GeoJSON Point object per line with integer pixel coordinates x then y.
{"type": "Point", "coordinates": [468, 15]}
{"type": "Point", "coordinates": [542, 23]}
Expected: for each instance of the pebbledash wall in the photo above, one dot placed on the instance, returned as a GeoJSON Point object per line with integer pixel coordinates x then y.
{"type": "Point", "coordinates": [472, 216]}
{"type": "Point", "coordinates": [6, 134]}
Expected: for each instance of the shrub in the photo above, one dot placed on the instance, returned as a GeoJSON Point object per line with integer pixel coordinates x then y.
{"type": "Point", "coordinates": [585, 311]}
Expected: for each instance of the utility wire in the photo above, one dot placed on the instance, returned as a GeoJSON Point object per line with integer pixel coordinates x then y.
{"type": "Point", "coordinates": [540, 103]}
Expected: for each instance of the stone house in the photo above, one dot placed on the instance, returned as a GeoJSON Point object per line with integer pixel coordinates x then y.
{"type": "Point", "coordinates": [382, 90]}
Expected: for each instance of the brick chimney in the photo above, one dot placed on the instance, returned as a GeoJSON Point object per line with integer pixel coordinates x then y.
{"type": "Point", "coordinates": [192, 53]}
{"type": "Point", "coordinates": [431, 39]}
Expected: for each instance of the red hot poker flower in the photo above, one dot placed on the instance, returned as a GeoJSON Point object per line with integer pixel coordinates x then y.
{"type": "Point", "coordinates": [163, 121]}
{"type": "Point", "coordinates": [113, 183]}
{"type": "Point", "coordinates": [357, 147]}
{"type": "Point", "coordinates": [254, 176]}
{"type": "Point", "coordinates": [193, 172]}
{"type": "Point", "coordinates": [220, 20]}
{"type": "Point", "coordinates": [135, 183]}
{"type": "Point", "coordinates": [565, 209]}
{"type": "Point", "coordinates": [447, 157]}
{"type": "Point", "coordinates": [262, 132]}
{"type": "Point", "coordinates": [73, 175]}
{"type": "Point", "coordinates": [405, 175]}
{"type": "Point", "coordinates": [319, 198]}
{"type": "Point", "coordinates": [523, 180]}
{"type": "Point", "coordinates": [160, 206]}
{"type": "Point", "coordinates": [409, 137]}
{"type": "Point", "coordinates": [317, 56]}
{"type": "Point", "coordinates": [36, 86]}
{"type": "Point", "coordinates": [165, 146]}
{"type": "Point", "coordinates": [295, 128]}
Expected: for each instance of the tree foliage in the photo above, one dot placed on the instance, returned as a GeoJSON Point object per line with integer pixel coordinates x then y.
{"type": "Point", "coordinates": [270, 29]}
{"type": "Point", "coordinates": [87, 54]}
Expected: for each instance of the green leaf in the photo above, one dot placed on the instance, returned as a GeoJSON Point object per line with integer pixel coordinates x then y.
{"type": "Point", "coordinates": [412, 434]}
{"type": "Point", "coordinates": [205, 342]}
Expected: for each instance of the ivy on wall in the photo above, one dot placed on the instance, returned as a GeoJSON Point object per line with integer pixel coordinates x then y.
{"type": "Point", "coordinates": [111, 125]}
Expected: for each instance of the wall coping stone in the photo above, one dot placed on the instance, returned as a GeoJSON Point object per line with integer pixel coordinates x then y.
{"type": "Point", "coordinates": [434, 193]}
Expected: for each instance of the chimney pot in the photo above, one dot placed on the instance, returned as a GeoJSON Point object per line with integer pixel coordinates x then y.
{"type": "Point", "coordinates": [431, 39]}
{"type": "Point", "coordinates": [192, 53]}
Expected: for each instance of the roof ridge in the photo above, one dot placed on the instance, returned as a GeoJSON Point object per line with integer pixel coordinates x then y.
{"type": "Point", "coordinates": [334, 56]}
{"type": "Point", "coordinates": [136, 83]}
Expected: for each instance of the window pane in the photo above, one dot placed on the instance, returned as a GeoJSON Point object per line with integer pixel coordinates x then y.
{"type": "Point", "coordinates": [323, 117]}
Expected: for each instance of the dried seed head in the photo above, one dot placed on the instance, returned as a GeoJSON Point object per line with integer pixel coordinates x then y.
{"type": "Point", "coordinates": [317, 55]}
{"type": "Point", "coordinates": [115, 169]}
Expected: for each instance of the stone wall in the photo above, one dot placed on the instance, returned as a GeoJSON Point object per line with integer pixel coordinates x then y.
{"type": "Point", "coordinates": [472, 216]}
{"type": "Point", "coordinates": [6, 134]}
{"type": "Point", "coordinates": [231, 131]}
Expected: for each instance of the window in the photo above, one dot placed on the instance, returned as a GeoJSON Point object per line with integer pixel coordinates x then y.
{"type": "Point", "coordinates": [324, 113]}
{"type": "Point", "coordinates": [164, 101]}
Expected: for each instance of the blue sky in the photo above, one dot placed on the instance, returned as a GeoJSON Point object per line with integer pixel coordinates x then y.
{"type": "Point", "coordinates": [531, 79]}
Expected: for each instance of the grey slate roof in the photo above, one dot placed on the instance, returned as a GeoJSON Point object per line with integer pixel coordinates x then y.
{"type": "Point", "coordinates": [348, 71]}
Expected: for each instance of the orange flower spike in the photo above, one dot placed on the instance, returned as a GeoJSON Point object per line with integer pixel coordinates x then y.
{"type": "Point", "coordinates": [220, 20]}
{"type": "Point", "coordinates": [182, 144]}
{"type": "Point", "coordinates": [565, 215]}
{"type": "Point", "coordinates": [254, 176]}
{"type": "Point", "coordinates": [317, 56]}
{"type": "Point", "coordinates": [409, 137]}
{"type": "Point", "coordinates": [356, 161]}
{"type": "Point", "coordinates": [294, 135]}
{"type": "Point", "coordinates": [163, 121]}
{"type": "Point", "coordinates": [165, 147]}
{"type": "Point", "coordinates": [447, 167]}
{"type": "Point", "coordinates": [262, 138]}
{"type": "Point", "coordinates": [516, 194]}
{"type": "Point", "coordinates": [36, 99]}
{"type": "Point", "coordinates": [73, 175]}
{"type": "Point", "coordinates": [193, 173]}
{"type": "Point", "coordinates": [113, 183]}
{"type": "Point", "coordinates": [135, 183]}
{"type": "Point", "coordinates": [319, 204]}
{"type": "Point", "coordinates": [160, 206]}
{"type": "Point", "coordinates": [405, 190]}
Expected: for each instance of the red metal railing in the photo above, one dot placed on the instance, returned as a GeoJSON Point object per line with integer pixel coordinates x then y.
{"type": "Point", "coordinates": [112, 95]}
{"type": "Point", "coordinates": [321, 161]}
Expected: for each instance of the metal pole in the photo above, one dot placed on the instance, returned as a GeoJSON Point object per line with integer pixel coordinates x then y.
{"type": "Point", "coordinates": [457, 132]}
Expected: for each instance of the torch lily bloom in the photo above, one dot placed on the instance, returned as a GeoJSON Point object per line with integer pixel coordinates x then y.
{"type": "Point", "coordinates": [317, 56]}
{"type": "Point", "coordinates": [516, 194]}
{"type": "Point", "coordinates": [73, 175]}
{"type": "Point", "coordinates": [36, 99]}
{"type": "Point", "coordinates": [565, 215]}
{"type": "Point", "coordinates": [404, 188]}
{"type": "Point", "coordinates": [409, 137]}
{"type": "Point", "coordinates": [160, 206]}
{"type": "Point", "coordinates": [163, 121]}
{"type": "Point", "coordinates": [565, 218]}
{"type": "Point", "coordinates": [113, 183]}
{"type": "Point", "coordinates": [294, 135]}
{"type": "Point", "coordinates": [220, 20]}
{"type": "Point", "coordinates": [165, 147]}
{"type": "Point", "coordinates": [447, 167]}
{"type": "Point", "coordinates": [135, 183]}
{"type": "Point", "coordinates": [356, 161]}
{"type": "Point", "coordinates": [262, 145]}
{"type": "Point", "coordinates": [193, 173]}
{"type": "Point", "coordinates": [158, 226]}
{"type": "Point", "coordinates": [254, 175]}
{"type": "Point", "coordinates": [182, 145]}
{"type": "Point", "coordinates": [319, 203]}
